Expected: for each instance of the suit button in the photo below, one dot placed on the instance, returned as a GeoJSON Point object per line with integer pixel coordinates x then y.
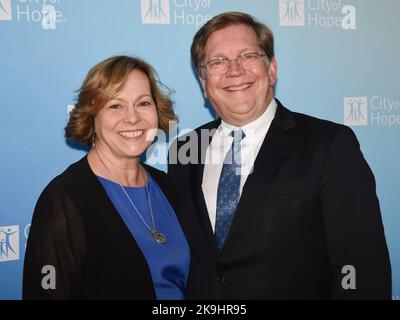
{"type": "Point", "coordinates": [221, 277]}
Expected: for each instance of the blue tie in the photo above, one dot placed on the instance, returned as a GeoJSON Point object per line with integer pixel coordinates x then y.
{"type": "Point", "coordinates": [228, 194]}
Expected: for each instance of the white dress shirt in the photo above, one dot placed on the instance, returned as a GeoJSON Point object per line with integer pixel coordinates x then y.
{"type": "Point", "coordinates": [221, 142]}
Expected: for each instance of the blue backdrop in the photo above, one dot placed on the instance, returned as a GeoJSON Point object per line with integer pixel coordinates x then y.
{"type": "Point", "coordinates": [337, 59]}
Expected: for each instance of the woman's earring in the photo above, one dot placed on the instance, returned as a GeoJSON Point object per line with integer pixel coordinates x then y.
{"type": "Point", "coordinates": [94, 140]}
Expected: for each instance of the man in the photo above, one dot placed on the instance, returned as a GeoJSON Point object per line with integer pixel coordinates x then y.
{"type": "Point", "coordinates": [281, 205]}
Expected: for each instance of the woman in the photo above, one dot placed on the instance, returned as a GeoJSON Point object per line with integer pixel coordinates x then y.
{"type": "Point", "coordinates": [104, 228]}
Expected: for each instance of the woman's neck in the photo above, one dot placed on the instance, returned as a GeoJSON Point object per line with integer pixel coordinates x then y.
{"type": "Point", "coordinates": [127, 172]}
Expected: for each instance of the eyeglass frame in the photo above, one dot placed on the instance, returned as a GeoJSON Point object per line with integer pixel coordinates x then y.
{"type": "Point", "coordinates": [240, 56]}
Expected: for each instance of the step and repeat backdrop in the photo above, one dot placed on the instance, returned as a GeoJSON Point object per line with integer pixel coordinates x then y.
{"type": "Point", "coordinates": [337, 60]}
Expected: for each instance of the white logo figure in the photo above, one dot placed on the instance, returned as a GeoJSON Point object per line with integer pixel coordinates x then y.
{"type": "Point", "coordinates": [5, 10]}
{"type": "Point", "coordinates": [356, 111]}
{"type": "Point", "coordinates": [155, 11]}
{"type": "Point", "coordinates": [291, 12]}
{"type": "Point", "coordinates": [49, 17]}
{"type": "Point", "coordinates": [9, 243]}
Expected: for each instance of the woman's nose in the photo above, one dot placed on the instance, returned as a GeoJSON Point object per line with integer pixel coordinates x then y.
{"type": "Point", "coordinates": [132, 115]}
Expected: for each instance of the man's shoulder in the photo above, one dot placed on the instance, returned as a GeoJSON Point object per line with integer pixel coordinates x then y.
{"type": "Point", "coordinates": [313, 125]}
{"type": "Point", "coordinates": [209, 126]}
{"type": "Point", "coordinates": [214, 124]}
{"type": "Point", "coordinates": [312, 128]}
{"type": "Point", "coordinates": [202, 131]}
{"type": "Point", "coordinates": [314, 122]}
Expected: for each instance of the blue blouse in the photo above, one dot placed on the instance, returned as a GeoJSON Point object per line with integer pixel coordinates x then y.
{"type": "Point", "coordinates": [168, 262]}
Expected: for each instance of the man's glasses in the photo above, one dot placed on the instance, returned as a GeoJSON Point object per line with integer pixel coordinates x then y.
{"type": "Point", "coordinates": [220, 66]}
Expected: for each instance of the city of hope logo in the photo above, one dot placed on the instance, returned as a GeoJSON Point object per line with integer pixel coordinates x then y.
{"type": "Point", "coordinates": [355, 111]}
{"type": "Point", "coordinates": [155, 11]}
{"type": "Point", "coordinates": [291, 12]}
{"type": "Point", "coordinates": [38, 11]}
{"type": "Point", "coordinates": [325, 14]}
{"type": "Point", "coordinates": [9, 243]}
{"type": "Point", "coordinates": [5, 10]}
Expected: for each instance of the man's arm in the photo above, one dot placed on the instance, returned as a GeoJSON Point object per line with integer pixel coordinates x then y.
{"type": "Point", "coordinates": [354, 229]}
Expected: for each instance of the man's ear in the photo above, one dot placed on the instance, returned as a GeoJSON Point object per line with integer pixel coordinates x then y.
{"type": "Point", "coordinates": [272, 72]}
{"type": "Point", "coordinates": [203, 85]}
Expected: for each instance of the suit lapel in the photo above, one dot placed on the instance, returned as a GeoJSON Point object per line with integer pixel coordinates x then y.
{"type": "Point", "coordinates": [272, 151]}
{"type": "Point", "coordinates": [197, 171]}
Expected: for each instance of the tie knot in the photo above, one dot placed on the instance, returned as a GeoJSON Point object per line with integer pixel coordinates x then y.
{"type": "Point", "coordinates": [238, 135]}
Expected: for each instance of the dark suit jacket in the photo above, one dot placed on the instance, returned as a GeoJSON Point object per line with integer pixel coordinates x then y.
{"type": "Point", "coordinates": [76, 229]}
{"type": "Point", "coordinates": [308, 209]}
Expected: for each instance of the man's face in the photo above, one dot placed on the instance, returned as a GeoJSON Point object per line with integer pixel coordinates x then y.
{"type": "Point", "coordinates": [240, 95]}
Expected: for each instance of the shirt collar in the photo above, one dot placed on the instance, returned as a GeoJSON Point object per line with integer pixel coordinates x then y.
{"type": "Point", "coordinates": [254, 128]}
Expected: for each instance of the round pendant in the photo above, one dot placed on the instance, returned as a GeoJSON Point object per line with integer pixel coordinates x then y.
{"type": "Point", "coordinates": [158, 237]}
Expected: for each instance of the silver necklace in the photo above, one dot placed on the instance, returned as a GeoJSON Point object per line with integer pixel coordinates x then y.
{"type": "Point", "coordinates": [157, 236]}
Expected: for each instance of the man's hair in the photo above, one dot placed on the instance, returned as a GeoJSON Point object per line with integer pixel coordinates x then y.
{"type": "Point", "coordinates": [103, 82]}
{"type": "Point", "coordinates": [265, 37]}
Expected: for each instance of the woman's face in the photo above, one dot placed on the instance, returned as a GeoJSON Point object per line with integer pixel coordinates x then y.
{"type": "Point", "coordinates": [126, 125]}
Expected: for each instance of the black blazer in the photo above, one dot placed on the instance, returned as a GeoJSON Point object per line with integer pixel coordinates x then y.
{"type": "Point", "coordinates": [308, 209]}
{"type": "Point", "coordinates": [76, 229]}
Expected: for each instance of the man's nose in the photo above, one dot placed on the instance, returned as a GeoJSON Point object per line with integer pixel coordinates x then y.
{"type": "Point", "coordinates": [234, 68]}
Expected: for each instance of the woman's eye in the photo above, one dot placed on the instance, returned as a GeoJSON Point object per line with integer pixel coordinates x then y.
{"type": "Point", "coordinates": [115, 106]}
{"type": "Point", "coordinates": [144, 103]}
